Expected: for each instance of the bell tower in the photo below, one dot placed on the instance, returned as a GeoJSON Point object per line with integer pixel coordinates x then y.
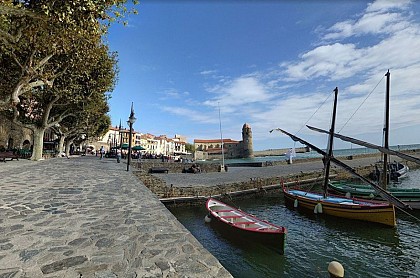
{"type": "Point", "coordinates": [247, 150]}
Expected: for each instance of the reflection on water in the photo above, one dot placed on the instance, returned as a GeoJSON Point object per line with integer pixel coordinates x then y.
{"type": "Point", "coordinates": [365, 250]}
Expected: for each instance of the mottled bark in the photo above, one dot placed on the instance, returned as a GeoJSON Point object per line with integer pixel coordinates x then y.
{"type": "Point", "coordinates": [61, 144]}
{"type": "Point", "coordinates": [38, 143]}
{"type": "Point", "coordinates": [68, 144]}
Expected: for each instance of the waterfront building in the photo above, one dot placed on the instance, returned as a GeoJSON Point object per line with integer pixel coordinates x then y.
{"type": "Point", "coordinates": [13, 136]}
{"type": "Point", "coordinates": [212, 148]}
{"type": "Point", "coordinates": [152, 144]}
{"type": "Point", "coordinates": [16, 137]}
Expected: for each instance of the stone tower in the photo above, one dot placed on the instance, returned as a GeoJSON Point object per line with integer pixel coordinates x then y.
{"type": "Point", "coordinates": [247, 141]}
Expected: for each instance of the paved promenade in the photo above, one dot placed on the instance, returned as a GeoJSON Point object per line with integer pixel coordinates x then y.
{"type": "Point", "coordinates": [239, 174]}
{"type": "Point", "coordinates": [85, 217]}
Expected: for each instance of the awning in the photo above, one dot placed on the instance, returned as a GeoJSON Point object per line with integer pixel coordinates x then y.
{"type": "Point", "coordinates": [124, 146]}
{"type": "Point", "coordinates": [138, 148]}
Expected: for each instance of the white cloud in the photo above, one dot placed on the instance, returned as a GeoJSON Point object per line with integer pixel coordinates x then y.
{"type": "Point", "coordinates": [394, 45]}
{"type": "Point", "coordinates": [332, 61]}
{"type": "Point", "coordinates": [385, 5]}
{"type": "Point", "coordinates": [174, 94]}
{"type": "Point", "coordinates": [353, 54]}
{"type": "Point", "coordinates": [208, 72]}
{"type": "Point", "coordinates": [191, 114]}
{"type": "Point", "coordinates": [380, 17]}
{"type": "Point", "coordinates": [235, 94]}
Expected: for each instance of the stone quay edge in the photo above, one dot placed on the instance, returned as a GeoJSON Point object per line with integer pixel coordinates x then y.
{"type": "Point", "coordinates": [86, 217]}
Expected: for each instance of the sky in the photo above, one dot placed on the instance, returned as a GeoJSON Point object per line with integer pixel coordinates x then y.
{"type": "Point", "coordinates": [271, 64]}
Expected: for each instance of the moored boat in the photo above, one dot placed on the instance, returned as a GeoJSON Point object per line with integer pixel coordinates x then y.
{"type": "Point", "coordinates": [397, 170]}
{"type": "Point", "coordinates": [350, 208]}
{"type": "Point", "coordinates": [365, 210]}
{"type": "Point", "coordinates": [410, 196]}
{"type": "Point", "coordinates": [248, 227]}
{"type": "Point", "coordinates": [389, 170]}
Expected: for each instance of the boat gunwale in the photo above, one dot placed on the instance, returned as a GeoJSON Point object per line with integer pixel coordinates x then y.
{"type": "Point", "coordinates": [360, 202]}
{"type": "Point", "coordinates": [336, 210]}
{"type": "Point", "coordinates": [281, 230]}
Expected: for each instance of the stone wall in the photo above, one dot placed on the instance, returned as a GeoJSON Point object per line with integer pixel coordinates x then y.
{"type": "Point", "coordinates": [253, 186]}
{"type": "Point", "coordinates": [17, 134]}
{"type": "Point", "coordinates": [174, 167]}
{"type": "Point", "coordinates": [278, 152]}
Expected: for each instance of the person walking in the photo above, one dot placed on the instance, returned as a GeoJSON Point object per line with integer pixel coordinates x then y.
{"type": "Point", "coordinates": [118, 155]}
{"type": "Point", "coordinates": [102, 152]}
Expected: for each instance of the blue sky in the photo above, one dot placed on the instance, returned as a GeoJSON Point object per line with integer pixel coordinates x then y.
{"type": "Point", "coordinates": [270, 64]}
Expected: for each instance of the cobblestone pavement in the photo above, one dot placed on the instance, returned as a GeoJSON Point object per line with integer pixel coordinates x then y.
{"type": "Point", "coordinates": [85, 217]}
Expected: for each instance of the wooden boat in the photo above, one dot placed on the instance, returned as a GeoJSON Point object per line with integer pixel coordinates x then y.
{"type": "Point", "coordinates": [350, 208]}
{"type": "Point", "coordinates": [237, 222]}
{"type": "Point", "coordinates": [397, 170]}
{"type": "Point", "coordinates": [410, 196]}
{"type": "Point", "coordinates": [390, 171]}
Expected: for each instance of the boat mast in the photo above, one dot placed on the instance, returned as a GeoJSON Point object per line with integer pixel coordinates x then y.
{"type": "Point", "coordinates": [330, 144]}
{"type": "Point", "coordinates": [221, 139]}
{"type": "Point", "coordinates": [386, 132]}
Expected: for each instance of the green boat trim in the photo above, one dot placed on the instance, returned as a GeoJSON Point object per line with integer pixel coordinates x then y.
{"type": "Point", "coordinates": [361, 190]}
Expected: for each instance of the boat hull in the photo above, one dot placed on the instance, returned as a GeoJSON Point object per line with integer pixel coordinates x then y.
{"type": "Point", "coordinates": [370, 211]}
{"type": "Point", "coordinates": [410, 196]}
{"type": "Point", "coordinates": [237, 224]}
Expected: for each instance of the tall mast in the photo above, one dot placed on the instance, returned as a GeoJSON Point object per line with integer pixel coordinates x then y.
{"type": "Point", "coordinates": [221, 139]}
{"type": "Point", "coordinates": [330, 144]}
{"type": "Point", "coordinates": [386, 132]}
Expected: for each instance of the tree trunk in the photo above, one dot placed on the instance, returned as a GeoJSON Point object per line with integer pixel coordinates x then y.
{"type": "Point", "coordinates": [68, 144]}
{"type": "Point", "coordinates": [38, 143]}
{"type": "Point", "coordinates": [61, 145]}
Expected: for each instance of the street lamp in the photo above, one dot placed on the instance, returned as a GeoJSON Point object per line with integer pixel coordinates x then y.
{"type": "Point", "coordinates": [130, 122]}
{"type": "Point", "coordinates": [120, 135]}
{"type": "Point", "coordinates": [115, 140]}
{"type": "Point", "coordinates": [110, 142]}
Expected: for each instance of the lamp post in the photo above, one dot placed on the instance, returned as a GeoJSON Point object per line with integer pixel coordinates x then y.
{"type": "Point", "coordinates": [130, 122]}
{"type": "Point", "coordinates": [110, 142]}
{"type": "Point", "coordinates": [115, 140]}
{"type": "Point", "coordinates": [120, 134]}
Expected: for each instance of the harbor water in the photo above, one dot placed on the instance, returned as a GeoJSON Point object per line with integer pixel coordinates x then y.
{"type": "Point", "coordinates": [364, 249]}
{"type": "Point", "coordinates": [314, 154]}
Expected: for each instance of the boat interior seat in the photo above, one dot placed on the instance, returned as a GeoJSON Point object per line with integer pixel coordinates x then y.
{"type": "Point", "coordinates": [244, 222]}
{"type": "Point", "coordinates": [230, 216]}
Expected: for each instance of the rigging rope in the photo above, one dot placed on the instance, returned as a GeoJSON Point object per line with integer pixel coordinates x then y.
{"type": "Point", "coordinates": [409, 214]}
{"type": "Point", "coordinates": [314, 113]}
{"type": "Point", "coordinates": [361, 104]}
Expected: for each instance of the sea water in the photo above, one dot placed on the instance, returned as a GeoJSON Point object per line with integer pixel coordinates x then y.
{"type": "Point", "coordinates": [314, 154]}
{"type": "Point", "coordinates": [364, 249]}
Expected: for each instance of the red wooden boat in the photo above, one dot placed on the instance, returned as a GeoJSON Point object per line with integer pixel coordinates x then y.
{"type": "Point", "coordinates": [240, 224]}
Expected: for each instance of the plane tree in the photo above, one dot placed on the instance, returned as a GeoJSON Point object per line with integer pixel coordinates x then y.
{"type": "Point", "coordinates": [77, 129]}
{"type": "Point", "coordinates": [34, 32]}
{"type": "Point", "coordinates": [83, 91]}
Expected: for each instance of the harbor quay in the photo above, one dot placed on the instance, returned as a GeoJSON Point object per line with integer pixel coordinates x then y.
{"type": "Point", "coordinates": [175, 187]}
{"type": "Point", "coordinates": [87, 217]}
